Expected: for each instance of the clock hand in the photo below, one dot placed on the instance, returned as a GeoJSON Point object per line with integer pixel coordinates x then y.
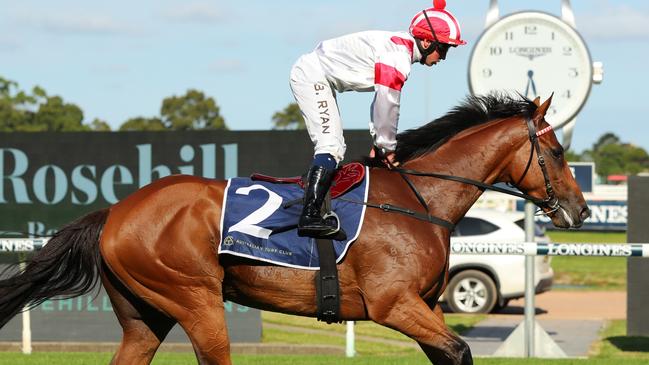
{"type": "Point", "coordinates": [530, 82]}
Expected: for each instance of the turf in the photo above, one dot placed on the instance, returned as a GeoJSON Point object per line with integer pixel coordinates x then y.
{"type": "Point", "coordinates": [178, 359]}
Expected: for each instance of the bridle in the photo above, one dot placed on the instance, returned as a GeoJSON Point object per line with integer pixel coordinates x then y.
{"type": "Point", "coordinates": [551, 202]}
{"type": "Point", "coordinates": [548, 205]}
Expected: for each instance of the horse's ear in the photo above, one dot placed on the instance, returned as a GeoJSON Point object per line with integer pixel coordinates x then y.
{"type": "Point", "coordinates": [543, 108]}
{"type": "Point", "coordinates": [537, 101]}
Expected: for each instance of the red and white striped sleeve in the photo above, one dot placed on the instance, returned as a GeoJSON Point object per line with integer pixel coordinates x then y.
{"type": "Point", "coordinates": [390, 73]}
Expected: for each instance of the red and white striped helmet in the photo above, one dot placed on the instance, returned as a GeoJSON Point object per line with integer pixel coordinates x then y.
{"type": "Point", "coordinates": [447, 28]}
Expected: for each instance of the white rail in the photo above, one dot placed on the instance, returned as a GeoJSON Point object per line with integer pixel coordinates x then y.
{"type": "Point", "coordinates": [552, 249]}
{"type": "Point", "coordinates": [18, 245]}
{"type": "Point", "coordinates": [22, 244]}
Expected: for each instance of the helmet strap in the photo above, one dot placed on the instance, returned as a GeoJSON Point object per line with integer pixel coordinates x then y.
{"type": "Point", "coordinates": [425, 52]}
{"type": "Point", "coordinates": [432, 30]}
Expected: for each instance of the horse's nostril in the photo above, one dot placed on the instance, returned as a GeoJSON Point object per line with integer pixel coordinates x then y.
{"type": "Point", "coordinates": [585, 213]}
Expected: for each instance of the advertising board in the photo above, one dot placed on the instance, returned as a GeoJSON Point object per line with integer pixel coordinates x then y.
{"type": "Point", "coordinates": [50, 179]}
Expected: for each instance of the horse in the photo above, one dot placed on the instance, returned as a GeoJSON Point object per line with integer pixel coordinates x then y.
{"type": "Point", "coordinates": [155, 251]}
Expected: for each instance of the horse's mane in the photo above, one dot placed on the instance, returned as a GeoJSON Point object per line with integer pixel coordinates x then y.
{"type": "Point", "coordinates": [475, 110]}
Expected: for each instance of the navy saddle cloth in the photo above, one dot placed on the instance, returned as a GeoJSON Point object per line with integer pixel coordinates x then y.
{"type": "Point", "coordinates": [256, 215]}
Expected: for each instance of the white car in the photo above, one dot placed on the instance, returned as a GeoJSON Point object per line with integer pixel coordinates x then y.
{"type": "Point", "coordinates": [482, 283]}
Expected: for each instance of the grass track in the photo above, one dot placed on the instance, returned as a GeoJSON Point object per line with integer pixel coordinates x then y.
{"type": "Point", "coordinates": [459, 323]}
{"type": "Point", "coordinates": [183, 359]}
{"type": "Point", "coordinates": [614, 349]}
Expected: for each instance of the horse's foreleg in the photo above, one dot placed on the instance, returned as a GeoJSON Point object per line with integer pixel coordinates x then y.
{"type": "Point", "coordinates": [144, 328]}
{"type": "Point", "coordinates": [414, 318]}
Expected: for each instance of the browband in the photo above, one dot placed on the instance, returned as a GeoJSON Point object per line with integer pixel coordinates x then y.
{"type": "Point", "coordinates": [543, 131]}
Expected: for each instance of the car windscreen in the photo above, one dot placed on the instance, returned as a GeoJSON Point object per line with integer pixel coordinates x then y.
{"type": "Point", "coordinates": [538, 230]}
{"type": "Point", "coordinates": [470, 226]}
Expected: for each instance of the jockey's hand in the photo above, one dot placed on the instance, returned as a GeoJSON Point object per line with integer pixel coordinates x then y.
{"type": "Point", "coordinates": [389, 158]}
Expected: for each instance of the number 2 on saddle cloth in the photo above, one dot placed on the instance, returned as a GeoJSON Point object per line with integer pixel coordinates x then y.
{"type": "Point", "coordinates": [260, 217]}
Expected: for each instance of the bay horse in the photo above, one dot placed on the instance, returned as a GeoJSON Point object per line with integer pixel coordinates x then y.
{"type": "Point", "coordinates": [155, 251]}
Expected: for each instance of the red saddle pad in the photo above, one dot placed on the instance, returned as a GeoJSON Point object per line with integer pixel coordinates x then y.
{"type": "Point", "coordinates": [346, 178]}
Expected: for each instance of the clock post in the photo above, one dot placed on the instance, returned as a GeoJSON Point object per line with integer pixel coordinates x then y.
{"type": "Point", "coordinates": [535, 54]}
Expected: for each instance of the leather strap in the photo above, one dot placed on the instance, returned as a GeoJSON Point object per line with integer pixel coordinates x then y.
{"type": "Point", "coordinates": [414, 190]}
{"type": "Point", "coordinates": [327, 286]}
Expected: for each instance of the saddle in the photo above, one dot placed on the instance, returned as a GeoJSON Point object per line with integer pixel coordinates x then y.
{"type": "Point", "coordinates": [346, 178]}
{"type": "Point", "coordinates": [326, 280]}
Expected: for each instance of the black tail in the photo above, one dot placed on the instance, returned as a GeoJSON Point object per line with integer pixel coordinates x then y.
{"type": "Point", "coordinates": [66, 267]}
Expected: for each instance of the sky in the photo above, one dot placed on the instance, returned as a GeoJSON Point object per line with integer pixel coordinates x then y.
{"type": "Point", "coordinates": [119, 59]}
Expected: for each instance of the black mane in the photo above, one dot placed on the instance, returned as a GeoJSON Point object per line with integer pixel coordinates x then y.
{"type": "Point", "coordinates": [473, 111]}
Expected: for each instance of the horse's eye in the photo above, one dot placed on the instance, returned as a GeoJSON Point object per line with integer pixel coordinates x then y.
{"type": "Point", "coordinates": [557, 152]}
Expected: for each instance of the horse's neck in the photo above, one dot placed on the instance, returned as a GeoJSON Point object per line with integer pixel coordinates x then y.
{"type": "Point", "coordinates": [477, 154]}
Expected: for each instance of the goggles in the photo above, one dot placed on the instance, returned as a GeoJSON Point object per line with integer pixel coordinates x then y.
{"type": "Point", "coordinates": [442, 49]}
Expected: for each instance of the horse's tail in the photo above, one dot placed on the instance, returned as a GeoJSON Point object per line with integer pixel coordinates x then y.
{"type": "Point", "coordinates": [67, 266]}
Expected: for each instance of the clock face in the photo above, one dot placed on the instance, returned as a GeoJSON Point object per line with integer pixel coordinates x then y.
{"type": "Point", "coordinates": [534, 54]}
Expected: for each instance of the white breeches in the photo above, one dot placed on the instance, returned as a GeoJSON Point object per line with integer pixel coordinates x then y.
{"type": "Point", "coordinates": [317, 101]}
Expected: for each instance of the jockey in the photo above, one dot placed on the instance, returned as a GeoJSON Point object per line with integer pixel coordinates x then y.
{"type": "Point", "coordinates": [378, 61]}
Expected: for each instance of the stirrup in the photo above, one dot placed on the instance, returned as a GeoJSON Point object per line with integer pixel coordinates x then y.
{"type": "Point", "coordinates": [323, 233]}
{"type": "Point", "coordinates": [339, 234]}
{"type": "Point", "coordinates": [333, 215]}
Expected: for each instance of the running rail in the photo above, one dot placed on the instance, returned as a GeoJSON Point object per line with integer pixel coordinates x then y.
{"type": "Point", "coordinates": [22, 244]}
{"type": "Point", "coordinates": [552, 249]}
{"type": "Point", "coordinates": [462, 248]}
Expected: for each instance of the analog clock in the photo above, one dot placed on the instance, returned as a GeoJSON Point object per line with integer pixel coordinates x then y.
{"type": "Point", "coordinates": [535, 54]}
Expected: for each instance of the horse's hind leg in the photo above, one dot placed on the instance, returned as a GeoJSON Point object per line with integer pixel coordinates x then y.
{"type": "Point", "coordinates": [198, 309]}
{"type": "Point", "coordinates": [413, 317]}
{"type": "Point", "coordinates": [143, 326]}
{"type": "Point", "coordinates": [203, 319]}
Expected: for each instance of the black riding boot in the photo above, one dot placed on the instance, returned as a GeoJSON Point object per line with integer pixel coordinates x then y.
{"type": "Point", "coordinates": [311, 223]}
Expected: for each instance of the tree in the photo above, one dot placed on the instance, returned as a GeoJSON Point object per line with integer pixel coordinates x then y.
{"type": "Point", "coordinates": [14, 106]}
{"type": "Point", "coordinates": [621, 159]}
{"type": "Point", "coordinates": [612, 157]}
{"type": "Point", "coordinates": [191, 111]}
{"type": "Point", "coordinates": [289, 118]}
{"type": "Point", "coordinates": [606, 139]}
{"type": "Point", "coordinates": [36, 112]}
{"type": "Point", "coordinates": [99, 125]}
{"type": "Point", "coordinates": [5, 87]}
{"type": "Point", "coordinates": [54, 115]}
{"type": "Point", "coordinates": [572, 156]}
{"type": "Point", "coordinates": [143, 124]}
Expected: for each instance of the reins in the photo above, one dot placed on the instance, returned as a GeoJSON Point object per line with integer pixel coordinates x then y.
{"type": "Point", "coordinates": [551, 202]}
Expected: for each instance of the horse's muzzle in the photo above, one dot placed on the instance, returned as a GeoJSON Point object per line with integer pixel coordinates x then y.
{"type": "Point", "coordinates": [585, 213]}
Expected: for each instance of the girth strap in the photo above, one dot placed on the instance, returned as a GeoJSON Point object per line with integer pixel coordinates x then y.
{"type": "Point", "coordinates": [327, 286]}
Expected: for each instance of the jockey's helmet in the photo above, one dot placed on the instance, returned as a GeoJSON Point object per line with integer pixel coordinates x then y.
{"type": "Point", "coordinates": [437, 25]}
